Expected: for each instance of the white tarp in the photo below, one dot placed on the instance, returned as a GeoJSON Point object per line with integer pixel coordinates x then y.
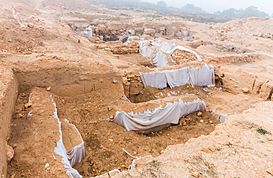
{"type": "Point", "coordinates": [152, 119]}
{"type": "Point", "coordinates": [146, 49]}
{"type": "Point", "coordinates": [202, 76]}
{"type": "Point", "coordinates": [164, 45]}
{"type": "Point", "coordinates": [75, 156]}
{"type": "Point", "coordinates": [87, 32]}
{"type": "Point", "coordinates": [154, 79]}
{"type": "Point", "coordinates": [161, 59]}
{"type": "Point", "coordinates": [159, 51]}
{"type": "Point", "coordinates": [16, 16]}
{"type": "Point", "coordinates": [175, 78]}
{"type": "Point", "coordinates": [196, 76]}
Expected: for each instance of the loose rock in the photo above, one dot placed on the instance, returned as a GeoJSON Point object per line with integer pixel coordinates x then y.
{"type": "Point", "coordinates": [10, 152]}
{"type": "Point", "coordinates": [28, 105]}
{"type": "Point", "coordinates": [245, 90]}
{"type": "Point", "coordinates": [115, 82]}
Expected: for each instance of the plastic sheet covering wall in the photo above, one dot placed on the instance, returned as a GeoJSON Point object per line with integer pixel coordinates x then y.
{"type": "Point", "coordinates": [74, 156]}
{"type": "Point", "coordinates": [150, 120]}
{"type": "Point", "coordinates": [196, 76]}
{"type": "Point", "coordinates": [159, 51]}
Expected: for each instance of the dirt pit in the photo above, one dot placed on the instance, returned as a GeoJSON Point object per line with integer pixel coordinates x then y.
{"type": "Point", "coordinates": [105, 140]}
{"type": "Point", "coordinates": [135, 91]}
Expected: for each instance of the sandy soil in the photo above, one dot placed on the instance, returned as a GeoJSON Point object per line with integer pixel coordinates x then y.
{"type": "Point", "coordinates": [34, 136]}
{"type": "Point", "coordinates": [105, 140]}
{"type": "Point", "coordinates": [90, 84]}
{"type": "Point", "coordinates": [236, 148]}
{"type": "Point", "coordinates": [8, 95]}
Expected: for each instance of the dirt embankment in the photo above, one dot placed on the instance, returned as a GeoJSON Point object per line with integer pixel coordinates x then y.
{"type": "Point", "coordinates": [8, 95]}
{"type": "Point", "coordinates": [34, 137]}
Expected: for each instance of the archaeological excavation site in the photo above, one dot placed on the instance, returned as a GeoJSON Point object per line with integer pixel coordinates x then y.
{"type": "Point", "coordinates": [98, 89]}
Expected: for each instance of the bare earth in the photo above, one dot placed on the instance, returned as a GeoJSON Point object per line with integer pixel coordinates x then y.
{"type": "Point", "coordinates": [91, 79]}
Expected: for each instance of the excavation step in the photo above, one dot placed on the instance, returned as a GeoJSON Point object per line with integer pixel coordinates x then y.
{"type": "Point", "coordinates": [40, 148]}
{"type": "Point", "coordinates": [156, 119]}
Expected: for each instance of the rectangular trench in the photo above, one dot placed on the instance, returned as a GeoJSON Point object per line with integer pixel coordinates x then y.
{"type": "Point", "coordinates": [88, 104]}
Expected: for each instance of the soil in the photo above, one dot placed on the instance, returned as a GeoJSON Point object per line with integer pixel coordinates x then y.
{"type": "Point", "coordinates": [33, 117]}
{"type": "Point", "coordinates": [90, 83]}
{"type": "Point", "coordinates": [181, 57]}
{"type": "Point", "coordinates": [14, 40]}
{"type": "Point", "coordinates": [104, 140]}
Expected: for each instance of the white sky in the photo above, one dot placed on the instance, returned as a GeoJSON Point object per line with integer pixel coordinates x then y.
{"type": "Point", "coordinates": [214, 5]}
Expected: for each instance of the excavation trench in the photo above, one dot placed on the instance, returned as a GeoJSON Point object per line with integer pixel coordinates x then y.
{"type": "Point", "coordinates": [135, 91]}
{"type": "Point", "coordinates": [104, 140]}
{"type": "Point", "coordinates": [88, 104]}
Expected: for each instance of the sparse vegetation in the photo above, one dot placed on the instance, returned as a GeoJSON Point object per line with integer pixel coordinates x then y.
{"type": "Point", "coordinates": [263, 131]}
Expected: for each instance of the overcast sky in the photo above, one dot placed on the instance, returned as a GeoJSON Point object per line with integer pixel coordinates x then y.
{"type": "Point", "coordinates": [214, 5]}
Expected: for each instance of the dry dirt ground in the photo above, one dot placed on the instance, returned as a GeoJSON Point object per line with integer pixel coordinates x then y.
{"type": "Point", "coordinates": [46, 60]}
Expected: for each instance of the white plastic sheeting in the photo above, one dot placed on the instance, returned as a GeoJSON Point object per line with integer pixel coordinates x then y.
{"type": "Point", "coordinates": [156, 79]}
{"type": "Point", "coordinates": [151, 119]}
{"type": "Point", "coordinates": [196, 76]}
{"type": "Point", "coordinates": [161, 59]}
{"type": "Point", "coordinates": [87, 32]}
{"type": "Point", "coordinates": [164, 45]}
{"type": "Point", "coordinates": [16, 16]}
{"type": "Point", "coordinates": [76, 154]}
{"type": "Point", "coordinates": [146, 49]}
{"type": "Point", "coordinates": [202, 76]}
{"type": "Point", "coordinates": [159, 51]}
{"type": "Point", "coordinates": [152, 51]}
{"type": "Point", "coordinates": [175, 78]}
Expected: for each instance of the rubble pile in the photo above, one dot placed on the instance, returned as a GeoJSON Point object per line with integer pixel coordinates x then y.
{"type": "Point", "coordinates": [132, 85]}
{"type": "Point", "coordinates": [266, 35]}
{"type": "Point", "coordinates": [230, 59]}
{"type": "Point", "coordinates": [109, 33]}
{"type": "Point", "coordinates": [130, 47]}
{"type": "Point", "coordinates": [182, 57]}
